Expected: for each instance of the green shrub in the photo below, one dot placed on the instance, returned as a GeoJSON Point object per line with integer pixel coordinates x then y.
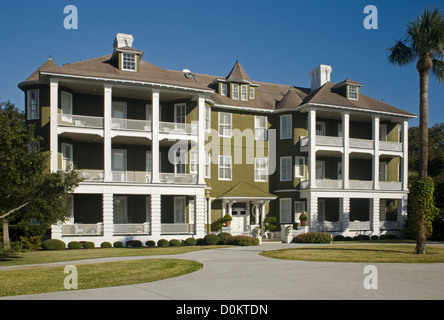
{"type": "Point", "coordinates": [374, 237]}
{"type": "Point", "coordinates": [339, 237]}
{"type": "Point", "coordinates": [222, 237]}
{"type": "Point", "coordinates": [106, 245]}
{"type": "Point", "coordinates": [241, 241]}
{"type": "Point", "coordinates": [190, 242]}
{"type": "Point", "coordinates": [31, 243]}
{"type": "Point", "coordinates": [150, 243]}
{"type": "Point", "coordinates": [348, 238]}
{"type": "Point", "coordinates": [118, 244]}
{"type": "Point", "coordinates": [162, 243]}
{"type": "Point", "coordinates": [313, 237]}
{"type": "Point", "coordinates": [134, 244]}
{"type": "Point", "coordinates": [53, 244]}
{"type": "Point", "coordinates": [74, 245]}
{"type": "Point", "coordinates": [211, 239]}
{"type": "Point", "coordinates": [200, 242]}
{"type": "Point", "coordinates": [89, 245]}
{"type": "Point", "coordinates": [175, 243]}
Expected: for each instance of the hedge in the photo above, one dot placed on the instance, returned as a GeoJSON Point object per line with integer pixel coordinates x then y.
{"type": "Point", "coordinates": [162, 243]}
{"type": "Point", "coordinates": [190, 242]}
{"type": "Point", "coordinates": [106, 245]}
{"type": "Point", "coordinates": [313, 237]}
{"type": "Point", "coordinates": [134, 244]}
{"type": "Point", "coordinates": [211, 239]}
{"type": "Point", "coordinates": [241, 241]}
{"type": "Point", "coordinates": [53, 244]}
{"type": "Point", "coordinates": [75, 245]}
{"type": "Point", "coordinates": [174, 243]}
{"type": "Point", "coordinates": [118, 244]}
{"type": "Point", "coordinates": [150, 243]}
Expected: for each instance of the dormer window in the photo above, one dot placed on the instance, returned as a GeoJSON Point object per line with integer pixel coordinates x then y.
{"type": "Point", "coordinates": [235, 94]}
{"type": "Point", "coordinates": [244, 89]}
{"type": "Point", "coordinates": [353, 92]}
{"type": "Point", "coordinates": [128, 62]}
{"type": "Point", "coordinates": [251, 93]}
{"type": "Point", "coordinates": [224, 89]}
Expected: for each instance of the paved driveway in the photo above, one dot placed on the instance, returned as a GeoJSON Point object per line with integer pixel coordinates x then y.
{"type": "Point", "coordinates": [239, 273]}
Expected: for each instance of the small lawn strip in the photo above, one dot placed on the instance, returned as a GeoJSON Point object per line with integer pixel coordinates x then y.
{"type": "Point", "coordinates": [382, 253]}
{"type": "Point", "coordinates": [42, 280]}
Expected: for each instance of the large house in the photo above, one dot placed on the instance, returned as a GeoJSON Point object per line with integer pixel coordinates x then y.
{"type": "Point", "coordinates": [165, 154]}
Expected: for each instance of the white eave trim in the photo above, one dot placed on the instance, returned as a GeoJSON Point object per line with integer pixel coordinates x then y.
{"type": "Point", "coordinates": [223, 106]}
{"type": "Point", "coordinates": [136, 82]}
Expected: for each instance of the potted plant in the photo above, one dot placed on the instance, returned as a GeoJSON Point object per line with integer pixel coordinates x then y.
{"type": "Point", "coordinates": [303, 219]}
{"type": "Point", "coordinates": [270, 224]}
{"type": "Point", "coordinates": [227, 218]}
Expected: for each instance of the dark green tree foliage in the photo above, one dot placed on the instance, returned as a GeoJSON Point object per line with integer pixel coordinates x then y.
{"type": "Point", "coordinates": [28, 191]}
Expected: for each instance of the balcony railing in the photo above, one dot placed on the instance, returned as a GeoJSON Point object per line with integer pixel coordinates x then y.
{"type": "Point", "coordinates": [331, 184]}
{"type": "Point", "coordinates": [330, 226]}
{"type": "Point", "coordinates": [79, 229]}
{"type": "Point", "coordinates": [361, 184]}
{"type": "Point", "coordinates": [90, 175]}
{"type": "Point", "coordinates": [80, 121]}
{"type": "Point", "coordinates": [359, 225]}
{"type": "Point", "coordinates": [178, 128]}
{"type": "Point", "coordinates": [390, 146]}
{"type": "Point", "coordinates": [132, 176]}
{"type": "Point", "coordinates": [177, 228]}
{"type": "Point", "coordinates": [132, 228]}
{"type": "Point", "coordinates": [329, 141]}
{"type": "Point", "coordinates": [131, 124]}
{"type": "Point", "coordinates": [178, 178]}
{"type": "Point", "coordinates": [360, 143]}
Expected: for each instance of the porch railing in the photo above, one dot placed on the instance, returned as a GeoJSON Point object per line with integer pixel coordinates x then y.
{"type": "Point", "coordinates": [132, 176]}
{"type": "Point", "coordinates": [177, 228]}
{"type": "Point", "coordinates": [178, 178]}
{"type": "Point", "coordinates": [334, 184]}
{"type": "Point", "coordinates": [359, 225]}
{"type": "Point", "coordinates": [131, 124]}
{"type": "Point", "coordinates": [178, 128]}
{"type": "Point", "coordinates": [90, 175]}
{"type": "Point", "coordinates": [80, 229]}
{"type": "Point", "coordinates": [132, 228]}
{"type": "Point", "coordinates": [390, 225]}
{"type": "Point", "coordinates": [330, 226]}
{"type": "Point", "coordinates": [80, 121]}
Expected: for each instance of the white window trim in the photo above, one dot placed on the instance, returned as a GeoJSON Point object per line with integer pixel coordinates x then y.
{"type": "Point", "coordinates": [176, 114]}
{"type": "Point", "coordinates": [29, 106]}
{"type": "Point", "coordinates": [320, 173]}
{"type": "Point", "coordinates": [119, 103]}
{"type": "Point", "coordinates": [231, 125]}
{"type": "Point", "coordinates": [125, 208]}
{"type": "Point", "coordinates": [193, 161]}
{"type": "Point", "coordinates": [207, 165]}
{"type": "Point", "coordinates": [207, 119]}
{"type": "Point", "coordinates": [280, 210]}
{"type": "Point", "coordinates": [135, 62]}
{"type": "Point", "coordinates": [235, 85]}
{"type": "Point", "coordinates": [149, 161]}
{"type": "Point", "coordinates": [66, 109]}
{"type": "Point", "coordinates": [244, 92]}
{"type": "Point", "coordinates": [298, 213]}
{"type": "Point", "coordinates": [281, 171]}
{"type": "Point", "coordinates": [297, 165]}
{"type": "Point", "coordinates": [265, 138]}
{"type": "Point", "coordinates": [256, 169]}
{"type": "Point", "coordinates": [65, 160]}
{"type": "Point", "coordinates": [224, 89]}
{"type": "Point", "coordinates": [322, 124]}
{"type": "Point", "coordinates": [230, 167]}
{"type": "Point", "coordinates": [252, 93]}
{"type": "Point", "coordinates": [291, 126]}
{"type": "Point", "coordinates": [178, 219]}
{"type": "Point", "coordinates": [382, 132]}
{"type": "Point", "coordinates": [350, 87]}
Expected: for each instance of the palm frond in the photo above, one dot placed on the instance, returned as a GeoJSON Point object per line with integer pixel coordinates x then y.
{"type": "Point", "coordinates": [438, 69]}
{"type": "Point", "coordinates": [401, 54]}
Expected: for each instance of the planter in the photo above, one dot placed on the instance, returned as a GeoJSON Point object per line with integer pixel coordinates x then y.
{"type": "Point", "coordinates": [228, 223]}
{"type": "Point", "coordinates": [303, 223]}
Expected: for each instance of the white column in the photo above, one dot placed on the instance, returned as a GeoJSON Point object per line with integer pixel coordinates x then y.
{"type": "Point", "coordinates": [262, 217]}
{"type": "Point", "coordinates": [107, 140]}
{"type": "Point", "coordinates": [312, 203]}
{"type": "Point", "coordinates": [54, 107]}
{"type": "Point", "coordinates": [224, 207]}
{"type": "Point", "coordinates": [374, 215]}
{"type": "Point", "coordinates": [402, 211]}
{"type": "Point", "coordinates": [200, 216]}
{"type": "Point", "coordinates": [375, 170]}
{"type": "Point", "coordinates": [405, 152]}
{"type": "Point", "coordinates": [209, 215]}
{"type": "Point", "coordinates": [201, 139]}
{"type": "Point", "coordinates": [312, 145]}
{"type": "Point", "coordinates": [256, 213]}
{"type": "Point", "coordinates": [155, 141]}
{"type": "Point", "coordinates": [345, 155]}
{"type": "Point", "coordinates": [345, 215]}
{"type": "Point", "coordinates": [155, 215]}
{"type": "Point", "coordinates": [230, 208]}
{"type": "Point", "coordinates": [108, 212]}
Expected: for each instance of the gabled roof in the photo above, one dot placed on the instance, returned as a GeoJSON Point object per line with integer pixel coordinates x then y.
{"type": "Point", "coordinates": [238, 73]}
{"type": "Point", "coordinates": [246, 190]}
{"type": "Point", "coordinates": [290, 100]}
{"type": "Point", "coordinates": [47, 66]}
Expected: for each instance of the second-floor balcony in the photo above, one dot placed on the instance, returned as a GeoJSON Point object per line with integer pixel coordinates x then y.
{"type": "Point", "coordinates": [352, 184]}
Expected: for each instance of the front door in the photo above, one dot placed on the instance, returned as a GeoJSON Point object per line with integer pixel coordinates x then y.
{"type": "Point", "coordinates": [240, 220]}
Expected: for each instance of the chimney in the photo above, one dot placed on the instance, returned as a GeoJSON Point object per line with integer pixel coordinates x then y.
{"type": "Point", "coordinates": [319, 76]}
{"type": "Point", "coordinates": [123, 40]}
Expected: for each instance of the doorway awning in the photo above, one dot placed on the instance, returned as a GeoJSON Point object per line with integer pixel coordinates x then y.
{"type": "Point", "coordinates": [246, 191]}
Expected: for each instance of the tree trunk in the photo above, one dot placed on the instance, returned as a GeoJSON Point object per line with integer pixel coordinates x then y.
{"type": "Point", "coordinates": [6, 243]}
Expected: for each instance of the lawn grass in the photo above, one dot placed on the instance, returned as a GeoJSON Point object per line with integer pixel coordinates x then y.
{"type": "Point", "coordinates": [51, 279]}
{"type": "Point", "coordinates": [368, 253]}
{"type": "Point", "coordinates": [35, 257]}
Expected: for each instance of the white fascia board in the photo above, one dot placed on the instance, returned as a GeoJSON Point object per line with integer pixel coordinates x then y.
{"type": "Point", "coordinates": [223, 106]}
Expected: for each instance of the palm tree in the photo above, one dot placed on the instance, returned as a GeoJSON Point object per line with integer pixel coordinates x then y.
{"type": "Point", "coordinates": [423, 43]}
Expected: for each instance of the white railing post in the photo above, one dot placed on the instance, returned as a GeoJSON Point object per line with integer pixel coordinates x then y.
{"type": "Point", "coordinates": [107, 146]}
{"type": "Point", "coordinates": [375, 158]}
{"type": "Point", "coordinates": [312, 146]}
{"type": "Point", "coordinates": [201, 139]}
{"type": "Point", "coordinates": [54, 107]}
{"type": "Point", "coordinates": [155, 137]}
{"type": "Point", "coordinates": [405, 153]}
{"type": "Point", "coordinates": [345, 154]}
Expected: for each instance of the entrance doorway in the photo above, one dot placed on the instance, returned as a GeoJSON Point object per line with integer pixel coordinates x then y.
{"type": "Point", "coordinates": [241, 218]}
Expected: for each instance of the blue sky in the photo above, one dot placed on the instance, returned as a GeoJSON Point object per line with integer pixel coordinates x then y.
{"type": "Point", "coordinates": [275, 41]}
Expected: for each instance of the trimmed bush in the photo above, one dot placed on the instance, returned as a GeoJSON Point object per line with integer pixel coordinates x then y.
{"type": "Point", "coordinates": [106, 245]}
{"type": "Point", "coordinates": [190, 242]}
{"type": "Point", "coordinates": [75, 245]}
{"type": "Point", "coordinates": [162, 243]}
{"type": "Point", "coordinates": [118, 244]}
{"type": "Point", "coordinates": [222, 237]}
{"type": "Point", "coordinates": [89, 245]}
{"type": "Point", "coordinates": [150, 243]}
{"type": "Point", "coordinates": [374, 237]}
{"type": "Point", "coordinates": [339, 237]}
{"type": "Point", "coordinates": [211, 239]}
{"type": "Point", "coordinates": [313, 237]}
{"type": "Point", "coordinates": [175, 243]}
{"type": "Point", "coordinates": [134, 244]}
{"type": "Point", "coordinates": [241, 241]}
{"type": "Point", "coordinates": [200, 242]}
{"type": "Point", "coordinates": [53, 244]}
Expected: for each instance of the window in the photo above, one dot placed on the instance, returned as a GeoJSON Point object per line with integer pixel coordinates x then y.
{"type": "Point", "coordinates": [180, 161]}
{"type": "Point", "coordinates": [244, 90]}
{"type": "Point", "coordinates": [66, 100]}
{"type": "Point", "coordinates": [207, 118]}
{"type": "Point", "coordinates": [382, 171]}
{"type": "Point", "coordinates": [252, 93]}
{"type": "Point", "coordinates": [339, 170]}
{"type": "Point", "coordinates": [286, 125]}
{"type": "Point", "coordinates": [353, 92]}
{"type": "Point", "coordinates": [285, 210]}
{"type": "Point", "coordinates": [320, 128]}
{"type": "Point", "coordinates": [299, 207]}
{"type": "Point", "coordinates": [285, 168]}
{"type": "Point", "coordinates": [128, 62]}
{"type": "Point", "coordinates": [299, 167]}
{"type": "Point", "coordinates": [149, 161]}
{"type": "Point", "coordinates": [67, 156]}
{"type": "Point", "coordinates": [119, 110]}
{"type": "Point", "coordinates": [193, 161]}
{"type": "Point", "coordinates": [383, 132]}
{"type": "Point", "coordinates": [235, 94]}
{"type": "Point", "coordinates": [260, 128]}
{"type": "Point", "coordinates": [260, 169]}
{"type": "Point", "coordinates": [33, 104]}
{"type": "Point", "coordinates": [207, 165]}
{"type": "Point", "coordinates": [224, 167]}
{"type": "Point", "coordinates": [320, 169]}
{"type": "Point", "coordinates": [180, 113]}
{"type": "Point", "coordinates": [224, 89]}
{"type": "Point", "coordinates": [179, 209]}
{"type": "Point", "coordinates": [340, 131]}
{"type": "Point", "coordinates": [225, 124]}
{"type": "Point", "coordinates": [120, 210]}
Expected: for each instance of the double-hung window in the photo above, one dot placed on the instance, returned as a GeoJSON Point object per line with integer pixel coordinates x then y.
{"type": "Point", "coordinates": [225, 167]}
{"type": "Point", "coordinates": [299, 167]}
{"type": "Point", "coordinates": [260, 128]}
{"type": "Point", "coordinates": [33, 104]}
{"type": "Point", "coordinates": [225, 124]}
{"type": "Point", "coordinates": [285, 210]}
{"type": "Point", "coordinates": [286, 124]}
{"type": "Point", "coordinates": [285, 168]}
{"type": "Point", "coordinates": [260, 169]}
{"type": "Point", "coordinates": [299, 207]}
{"type": "Point", "coordinates": [224, 89]}
{"type": "Point", "coordinates": [353, 92]}
{"type": "Point", "coordinates": [235, 94]}
{"type": "Point", "coordinates": [251, 93]}
{"type": "Point", "coordinates": [244, 90]}
{"type": "Point", "coordinates": [207, 119]}
{"type": "Point", "coordinates": [193, 161]}
{"type": "Point", "coordinates": [207, 165]}
{"type": "Point", "coordinates": [128, 62]}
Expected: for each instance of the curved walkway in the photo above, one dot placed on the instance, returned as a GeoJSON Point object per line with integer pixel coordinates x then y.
{"type": "Point", "coordinates": [240, 273]}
